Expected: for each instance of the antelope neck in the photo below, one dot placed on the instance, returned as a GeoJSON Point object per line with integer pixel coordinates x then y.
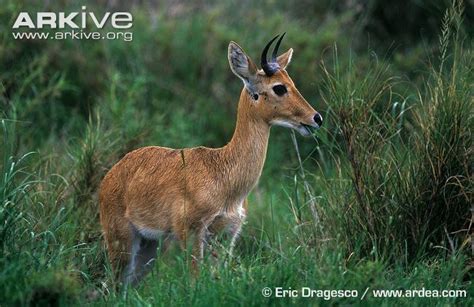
{"type": "Point", "coordinates": [245, 153]}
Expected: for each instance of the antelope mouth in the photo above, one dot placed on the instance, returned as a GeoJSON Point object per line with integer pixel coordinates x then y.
{"type": "Point", "coordinates": [307, 130]}
{"type": "Point", "coordinates": [303, 129]}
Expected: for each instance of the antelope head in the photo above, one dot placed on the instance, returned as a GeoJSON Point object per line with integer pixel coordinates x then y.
{"type": "Point", "coordinates": [275, 98]}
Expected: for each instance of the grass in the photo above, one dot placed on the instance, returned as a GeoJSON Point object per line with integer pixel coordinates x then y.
{"type": "Point", "coordinates": [380, 198]}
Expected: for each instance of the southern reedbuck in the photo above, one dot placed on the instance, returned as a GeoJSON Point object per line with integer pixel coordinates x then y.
{"type": "Point", "coordinates": [156, 193]}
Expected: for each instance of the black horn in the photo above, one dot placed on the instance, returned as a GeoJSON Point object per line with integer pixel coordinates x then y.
{"type": "Point", "coordinates": [275, 50]}
{"type": "Point", "coordinates": [271, 67]}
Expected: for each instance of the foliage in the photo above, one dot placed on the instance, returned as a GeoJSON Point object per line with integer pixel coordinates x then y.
{"type": "Point", "coordinates": [380, 197]}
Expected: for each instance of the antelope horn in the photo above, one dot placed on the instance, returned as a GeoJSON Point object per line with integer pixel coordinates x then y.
{"type": "Point", "coordinates": [275, 50]}
{"type": "Point", "coordinates": [269, 67]}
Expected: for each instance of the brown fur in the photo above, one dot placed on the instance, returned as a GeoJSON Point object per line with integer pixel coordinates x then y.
{"type": "Point", "coordinates": [196, 190]}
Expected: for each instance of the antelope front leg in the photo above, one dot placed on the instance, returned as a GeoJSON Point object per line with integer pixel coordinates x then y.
{"type": "Point", "coordinates": [234, 233]}
{"type": "Point", "coordinates": [198, 250]}
{"type": "Point", "coordinates": [236, 225]}
{"type": "Point", "coordinates": [231, 224]}
{"type": "Point", "coordinates": [197, 233]}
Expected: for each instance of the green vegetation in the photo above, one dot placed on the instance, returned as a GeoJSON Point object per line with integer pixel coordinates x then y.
{"type": "Point", "coordinates": [381, 197]}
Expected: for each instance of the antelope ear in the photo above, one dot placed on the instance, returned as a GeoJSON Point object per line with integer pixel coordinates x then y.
{"type": "Point", "coordinates": [285, 59]}
{"type": "Point", "coordinates": [242, 66]}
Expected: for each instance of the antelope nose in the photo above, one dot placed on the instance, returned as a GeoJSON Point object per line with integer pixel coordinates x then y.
{"type": "Point", "coordinates": [318, 119]}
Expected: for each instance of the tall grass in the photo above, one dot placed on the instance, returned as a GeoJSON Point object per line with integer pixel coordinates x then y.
{"type": "Point", "coordinates": [15, 185]}
{"type": "Point", "coordinates": [405, 184]}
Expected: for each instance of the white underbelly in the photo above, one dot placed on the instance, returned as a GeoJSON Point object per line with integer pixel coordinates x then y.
{"type": "Point", "coordinates": [150, 233]}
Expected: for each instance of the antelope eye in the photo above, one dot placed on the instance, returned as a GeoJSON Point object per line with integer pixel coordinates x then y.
{"type": "Point", "coordinates": [280, 89]}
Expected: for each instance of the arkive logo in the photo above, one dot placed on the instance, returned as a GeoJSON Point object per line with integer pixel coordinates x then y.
{"type": "Point", "coordinates": [118, 20]}
{"type": "Point", "coordinates": [81, 25]}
